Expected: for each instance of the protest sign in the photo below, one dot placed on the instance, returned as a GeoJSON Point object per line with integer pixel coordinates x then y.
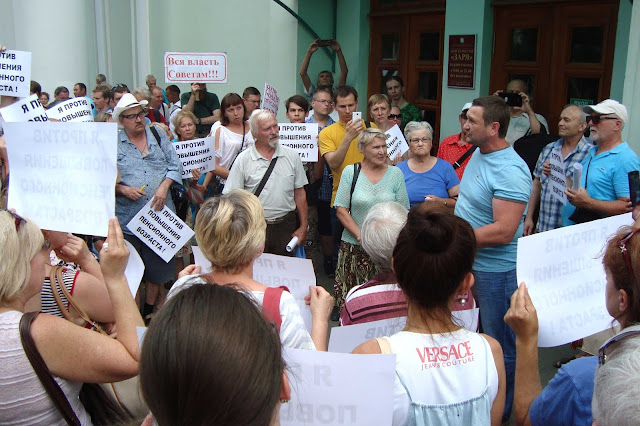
{"type": "Point", "coordinates": [332, 389]}
{"type": "Point", "coordinates": [141, 331]}
{"type": "Point", "coordinates": [161, 230]}
{"type": "Point", "coordinates": [73, 110]}
{"type": "Point", "coordinates": [274, 271]}
{"type": "Point", "coordinates": [557, 179]}
{"type": "Point", "coordinates": [15, 73]}
{"type": "Point", "coordinates": [184, 67]}
{"type": "Point", "coordinates": [196, 154]}
{"type": "Point", "coordinates": [303, 137]}
{"type": "Point", "coordinates": [63, 174]}
{"type": "Point", "coordinates": [26, 109]}
{"type": "Point", "coordinates": [270, 99]}
{"type": "Point", "coordinates": [396, 143]}
{"type": "Point", "coordinates": [346, 338]}
{"type": "Point", "coordinates": [566, 280]}
{"type": "Point", "coordinates": [134, 270]}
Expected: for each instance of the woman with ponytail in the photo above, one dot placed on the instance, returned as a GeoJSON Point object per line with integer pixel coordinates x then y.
{"type": "Point", "coordinates": [444, 373]}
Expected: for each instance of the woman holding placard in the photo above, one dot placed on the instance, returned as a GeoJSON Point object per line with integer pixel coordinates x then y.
{"type": "Point", "coordinates": [428, 178]}
{"type": "Point", "coordinates": [69, 353]}
{"type": "Point", "coordinates": [458, 376]}
{"type": "Point", "coordinates": [231, 231]}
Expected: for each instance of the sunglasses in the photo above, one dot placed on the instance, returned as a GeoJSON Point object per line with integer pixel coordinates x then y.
{"type": "Point", "coordinates": [394, 116]}
{"type": "Point", "coordinates": [118, 86]}
{"type": "Point", "coordinates": [595, 119]}
{"type": "Point", "coordinates": [602, 352]}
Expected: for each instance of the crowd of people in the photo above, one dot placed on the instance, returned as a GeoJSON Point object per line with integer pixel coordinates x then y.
{"type": "Point", "coordinates": [419, 235]}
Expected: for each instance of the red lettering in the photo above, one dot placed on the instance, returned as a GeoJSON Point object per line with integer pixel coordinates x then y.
{"type": "Point", "coordinates": [173, 61]}
{"type": "Point", "coordinates": [421, 354]}
{"type": "Point", "coordinates": [466, 345]}
{"type": "Point", "coordinates": [454, 352]}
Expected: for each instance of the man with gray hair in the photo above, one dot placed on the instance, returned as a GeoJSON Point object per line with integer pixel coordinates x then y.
{"type": "Point", "coordinates": [274, 173]}
{"type": "Point", "coordinates": [572, 147]}
{"type": "Point", "coordinates": [144, 94]}
{"type": "Point", "coordinates": [151, 83]}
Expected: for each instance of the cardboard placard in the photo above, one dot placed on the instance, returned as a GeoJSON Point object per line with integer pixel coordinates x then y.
{"type": "Point", "coordinates": [270, 99]}
{"type": "Point", "coordinates": [396, 143]}
{"type": "Point", "coordinates": [303, 137]}
{"type": "Point", "coordinates": [72, 110]}
{"type": "Point", "coordinates": [185, 67]}
{"type": "Point", "coordinates": [196, 154]}
{"type": "Point", "coordinates": [26, 109]}
{"type": "Point", "coordinates": [557, 179]}
{"type": "Point", "coordinates": [15, 73]}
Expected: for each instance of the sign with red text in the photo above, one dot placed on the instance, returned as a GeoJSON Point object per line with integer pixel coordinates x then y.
{"type": "Point", "coordinates": [270, 99]}
{"type": "Point", "coordinates": [15, 73]}
{"type": "Point", "coordinates": [183, 67]}
{"type": "Point", "coordinates": [26, 109]}
{"type": "Point", "coordinates": [462, 55]}
{"type": "Point", "coordinates": [72, 110]}
{"type": "Point", "coordinates": [161, 230]}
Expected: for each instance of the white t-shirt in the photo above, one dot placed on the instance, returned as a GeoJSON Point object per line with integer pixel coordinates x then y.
{"type": "Point", "coordinates": [229, 145]}
{"type": "Point", "coordinates": [519, 126]}
{"type": "Point", "coordinates": [441, 369]}
{"type": "Point", "coordinates": [293, 334]}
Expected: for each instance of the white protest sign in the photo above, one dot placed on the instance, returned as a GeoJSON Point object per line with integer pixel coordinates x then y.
{"type": "Point", "coordinates": [396, 143]}
{"type": "Point", "coordinates": [557, 179]}
{"type": "Point", "coordinates": [566, 280]}
{"type": "Point", "coordinates": [184, 67]}
{"type": "Point", "coordinates": [162, 230]}
{"type": "Point", "coordinates": [331, 388]}
{"type": "Point", "coordinates": [303, 137]}
{"type": "Point", "coordinates": [270, 99]}
{"type": "Point", "coordinates": [295, 273]}
{"type": "Point", "coordinates": [15, 73]}
{"type": "Point", "coordinates": [141, 331]}
{"type": "Point", "coordinates": [346, 338]}
{"type": "Point", "coordinates": [134, 270]}
{"type": "Point", "coordinates": [200, 260]}
{"type": "Point", "coordinates": [63, 175]}
{"type": "Point", "coordinates": [26, 109]}
{"type": "Point", "coordinates": [74, 110]}
{"type": "Point", "coordinates": [196, 154]}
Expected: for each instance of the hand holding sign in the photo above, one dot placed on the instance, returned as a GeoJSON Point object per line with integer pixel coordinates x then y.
{"type": "Point", "coordinates": [522, 316]}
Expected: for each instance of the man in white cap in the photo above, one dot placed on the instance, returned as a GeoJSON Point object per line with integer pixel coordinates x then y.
{"type": "Point", "coordinates": [148, 166]}
{"type": "Point", "coordinates": [604, 184]}
{"type": "Point", "coordinates": [455, 149]}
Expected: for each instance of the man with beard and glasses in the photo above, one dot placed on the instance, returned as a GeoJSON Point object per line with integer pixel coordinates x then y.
{"type": "Point", "coordinates": [274, 173]}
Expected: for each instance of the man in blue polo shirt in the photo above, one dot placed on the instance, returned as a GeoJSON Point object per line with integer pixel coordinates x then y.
{"type": "Point", "coordinates": [604, 186]}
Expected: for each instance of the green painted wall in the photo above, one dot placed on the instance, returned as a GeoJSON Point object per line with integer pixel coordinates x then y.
{"type": "Point", "coordinates": [353, 34]}
{"type": "Point", "coordinates": [466, 17]}
{"type": "Point", "coordinates": [622, 46]}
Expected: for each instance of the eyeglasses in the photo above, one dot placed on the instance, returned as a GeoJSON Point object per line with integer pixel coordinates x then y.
{"type": "Point", "coordinates": [595, 119]}
{"type": "Point", "coordinates": [622, 245]}
{"type": "Point", "coordinates": [423, 140]}
{"type": "Point", "coordinates": [323, 101]}
{"type": "Point", "coordinates": [394, 116]}
{"type": "Point", "coordinates": [139, 115]}
{"type": "Point", "coordinates": [19, 220]}
{"type": "Point", "coordinates": [602, 352]}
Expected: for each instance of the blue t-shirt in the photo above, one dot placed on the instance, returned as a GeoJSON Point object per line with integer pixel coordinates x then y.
{"type": "Point", "coordinates": [567, 398]}
{"type": "Point", "coordinates": [436, 181]}
{"type": "Point", "coordinates": [499, 174]}
{"type": "Point", "coordinates": [607, 174]}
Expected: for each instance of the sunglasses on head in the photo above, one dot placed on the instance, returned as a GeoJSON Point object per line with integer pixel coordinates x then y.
{"type": "Point", "coordinates": [595, 119]}
{"type": "Point", "coordinates": [395, 116]}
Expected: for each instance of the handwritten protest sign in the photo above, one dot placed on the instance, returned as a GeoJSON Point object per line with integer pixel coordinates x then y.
{"type": "Point", "coordinates": [566, 281]}
{"type": "Point", "coordinates": [26, 109]}
{"type": "Point", "coordinates": [134, 270]}
{"type": "Point", "coordinates": [557, 179]}
{"type": "Point", "coordinates": [161, 230]}
{"type": "Point", "coordinates": [274, 271]}
{"type": "Point", "coordinates": [303, 137]}
{"type": "Point", "coordinates": [183, 67]}
{"type": "Point", "coordinates": [63, 174]}
{"type": "Point", "coordinates": [270, 99]}
{"type": "Point", "coordinates": [331, 389]}
{"type": "Point", "coordinates": [396, 143]}
{"type": "Point", "coordinates": [196, 154]}
{"type": "Point", "coordinates": [15, 73]}
{"type": "Point", "coordinates": [73, 110]}
{"type": "Point", "coordinates": [346, 338]}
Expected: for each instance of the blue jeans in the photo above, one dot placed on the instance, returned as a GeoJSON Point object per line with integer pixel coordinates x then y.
{"type": "Point", "coordinates": [494, 290]}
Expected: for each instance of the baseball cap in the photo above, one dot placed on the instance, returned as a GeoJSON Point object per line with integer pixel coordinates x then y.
{"type": "Point", "coordinates": [608, 106]}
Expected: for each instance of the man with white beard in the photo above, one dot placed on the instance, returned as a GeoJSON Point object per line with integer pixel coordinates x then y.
{"type": "Point", "coordinates": [274, 173]}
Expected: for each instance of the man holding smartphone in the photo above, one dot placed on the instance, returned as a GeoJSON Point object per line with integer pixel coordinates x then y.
{"type": "Point", "coordinates": [523, 121]}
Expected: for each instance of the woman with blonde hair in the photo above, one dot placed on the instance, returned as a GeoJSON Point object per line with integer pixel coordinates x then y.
{"type": "Point", "coordinates": [72, 354]}
{"type": "Point", "coordinates": [231, 232]}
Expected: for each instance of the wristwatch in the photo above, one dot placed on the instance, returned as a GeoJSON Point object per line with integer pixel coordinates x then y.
{"type": "Point", "coordinates": [199, 120]}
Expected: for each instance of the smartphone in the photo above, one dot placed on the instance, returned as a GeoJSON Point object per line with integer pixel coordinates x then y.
{"type": "Point", "coordinates": [324, 43]}
{"type": "Point", "coordinates": [357, 115]}
{"type": "Point", "coordinates": [634, 187]}
{"type": "Point", "coordinates": [512, 99]}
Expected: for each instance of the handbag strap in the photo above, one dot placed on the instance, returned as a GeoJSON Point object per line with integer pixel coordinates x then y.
{"type": "Point", "coordinates": [271, 305]}
{"type": "Point", "coordinates": [265, 178]}
{"type": "Point", "coordinates": [466, 155]}
{"type": "Point", "coordinates": [56, 281]}
{"type": "Point", "coordinates": [356, 173]}
{"type": "Point", "coordinates": [52, 388]}
{"type": "Point", "coordinates": [241, 146]}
